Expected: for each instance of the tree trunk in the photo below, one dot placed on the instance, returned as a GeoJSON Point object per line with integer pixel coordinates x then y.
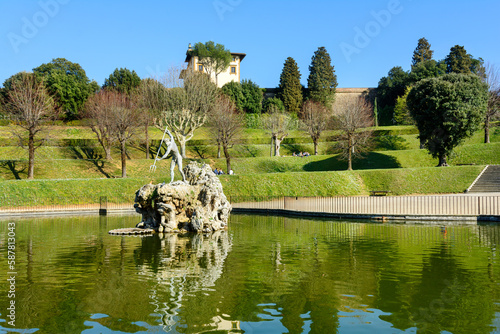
{"type": "Point", "coordinates": [422, 146]}
{"type": "Point", "coordinates": [277, 144]}
{"type": "Point", "coordinates": [272, 146]}
{"type": "Point", "coordinates": [31, 155]}
{"type": "Point", "coordinates": [182, 143]}
{"type": "Point", "coordinates": [487, 130]}
{"type": "Point", "coordinates": [442, 161]}
{"type": "Point", "coordinates": [107, 150]}
{"type": "Point", "coordinates": [147, 140]}
{"type": "Point", "coordinates": [218, 150]}
{"type": "Point", "coordinates": [123, 152]}
{"type": "Point", "coordinates": [315, 141]}
{"type": "Point", "coordinates": [349, 152]}
{"type": "Point", "coordinates": [228, 158]}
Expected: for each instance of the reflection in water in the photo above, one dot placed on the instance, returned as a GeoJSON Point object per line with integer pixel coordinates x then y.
{"type": "Point", "coordinates": [183, 265]}
{"type": "Point", "coordinates": [265, 275]}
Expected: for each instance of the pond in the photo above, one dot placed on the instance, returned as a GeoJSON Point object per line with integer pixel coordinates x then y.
{"type": "Point", "coordinates": [266, 274]}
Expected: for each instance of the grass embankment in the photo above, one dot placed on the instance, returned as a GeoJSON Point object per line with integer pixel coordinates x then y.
{"type": "Point", "coordinates": [77, 173]}
{"type": "Point", "coordinates": [344, 183]}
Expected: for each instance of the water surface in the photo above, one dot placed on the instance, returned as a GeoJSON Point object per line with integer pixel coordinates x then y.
{"type": "Point", "coordinates": [265, 275]}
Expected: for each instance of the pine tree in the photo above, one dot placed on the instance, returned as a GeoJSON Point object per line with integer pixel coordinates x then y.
{"type": "Point", "coordinates": [458, 61]}
{"type": "Point", "coordinates": [422, 52]}
{"type": "Point", "coordinates": [322, 80]}
{"type": "Point", "coordinates": [290, 89]}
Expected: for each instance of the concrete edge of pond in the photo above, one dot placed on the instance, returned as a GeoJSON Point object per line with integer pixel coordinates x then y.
{"type": "Point", "coordinates": [428, 219]}
{"type": "Point", "coordinates": [415, 219]}
{"type": "Point", "coordinates": [56, 213]}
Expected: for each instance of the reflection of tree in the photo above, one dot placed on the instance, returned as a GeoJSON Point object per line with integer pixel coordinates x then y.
{"type": "Point", "coordinates": [447, 292]}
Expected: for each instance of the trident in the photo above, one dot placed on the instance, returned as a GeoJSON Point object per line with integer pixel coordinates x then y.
{"type": "Point", "coordinates": [152, 168]}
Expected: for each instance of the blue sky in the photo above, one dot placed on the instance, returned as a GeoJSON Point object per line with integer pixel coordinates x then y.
{"type": "Point", "coordinates": [365, 39]}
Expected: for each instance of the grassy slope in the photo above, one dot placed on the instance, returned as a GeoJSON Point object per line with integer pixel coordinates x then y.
{"type": "Point", "coordinates": [344, 183]}
{"type": "Point", "coordinates": [397, 165]}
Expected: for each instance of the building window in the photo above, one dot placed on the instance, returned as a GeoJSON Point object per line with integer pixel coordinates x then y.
{"type": "Point", "coordinates": [233, 69]}
{"type": "Point", "coordinates": [200, 67]}
{"type": "Point", "coordinates": [234, 58]}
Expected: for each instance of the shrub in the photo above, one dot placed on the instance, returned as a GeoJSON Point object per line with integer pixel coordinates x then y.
{"type": "Point", "coordinates": [253, 97]}
{"type": "Point", "coordinates": [273, 101]}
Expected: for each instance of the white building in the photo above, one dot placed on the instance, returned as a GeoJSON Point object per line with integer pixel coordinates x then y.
{"type": "Point", "coordinates": [231, 74]}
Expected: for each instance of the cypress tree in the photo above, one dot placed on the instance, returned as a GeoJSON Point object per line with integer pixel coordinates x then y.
{"type": "Point", "coordinates": [290, 89]}
{"type": "Point", "coordinates": [422, 52]}
{"type": "Point", "coordinates": [322, 80]}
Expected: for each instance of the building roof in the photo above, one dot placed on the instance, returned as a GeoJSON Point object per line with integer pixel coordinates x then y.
{"type": "Point", "coordinates": [189, 55]}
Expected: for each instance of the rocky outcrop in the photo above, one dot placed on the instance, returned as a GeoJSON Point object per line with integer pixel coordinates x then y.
{"type": "Point", "coordinates": [197, 205]}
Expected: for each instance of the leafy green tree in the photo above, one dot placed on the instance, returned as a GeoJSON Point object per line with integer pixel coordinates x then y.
{"type": "Point", "coordinates": [7, 84]}
{"type": "Point", "coordinates": [68, 83]}
{"type": "Point", "coordinates": [401, 112]}
{"type": "Point", "coordinates": [122, 80]}
{"type": "Point", "coordinates": [235, 92]}
{"type": "Point", "coordinates": [392, 86]}
{"type": "Point", "coordinates": [422, 52]}
{"type": "Point", "coordinates": [214, 57]}
{"type": "Point", "coordinates": [272, 103]}
{"type": "Point", "coordinates": [290, 89]}
{"type": "Point", "coordinates": [477, 67]}
{"type": "Point", "coordinates": [427, 69]}
{"type": "Point", "coordinates": [493, 81]}
{"type": "Point", "coordinates": [458, 61]}
{"type": "Point", "coordinates": [322, 80]}
{"type": "Point", "coordinates": [253, 97]}
{"type": "Point", "coordinates": [447, 110]}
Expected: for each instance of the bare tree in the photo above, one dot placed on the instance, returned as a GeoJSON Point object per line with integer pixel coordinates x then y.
{"type": "Point", "coordinates": [493, 81]}
{"type": "Point", "coordinates": [278, 123]}
{"type": "Point", "coordinates": [99, 115]}
{"type": "Point", "coordinates": [183, 106]}
{"type": "Point", "coordinates": [351, 117]}
{"type": "Point", "coordinates": [127, 120]}
{"type": "Point", "coordinates": [225, 125]}
{"type": "Point", "coordinates": [114, 116]}
{"type": "Point", "coordinates": [315, 119]}
{"type": "Point", "coordinates": [30, 106]}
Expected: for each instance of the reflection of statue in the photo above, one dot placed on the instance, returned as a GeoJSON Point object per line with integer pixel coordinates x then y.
{"type": "Point", "coordinates": [182, 266]}
{"type": "Point", "coordinates": [176, 156]}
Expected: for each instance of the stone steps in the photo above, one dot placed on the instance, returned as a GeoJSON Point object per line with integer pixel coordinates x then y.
{"type": "Point", "coordinates": [488, 182]}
